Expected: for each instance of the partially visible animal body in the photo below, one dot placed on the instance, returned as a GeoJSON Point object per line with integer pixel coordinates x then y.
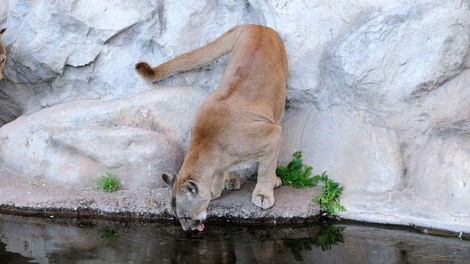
{"type": "Point", "coordinates": [3, 53]}
{"type": "Point", "coordinates": [240, 122]}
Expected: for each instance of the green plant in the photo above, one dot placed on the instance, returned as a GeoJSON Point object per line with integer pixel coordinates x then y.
{"type": "Point", "coordinates": [108, 182]}
{"type": "Point", "coordinates": [298, 176]}
{"type": "Point", "coordinates": [296, 173]}
{"type": "Point", "coordinates": [329, 195]}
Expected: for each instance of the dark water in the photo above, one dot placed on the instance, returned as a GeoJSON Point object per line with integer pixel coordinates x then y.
{"type": "Point", "coordinates": [34, 240]}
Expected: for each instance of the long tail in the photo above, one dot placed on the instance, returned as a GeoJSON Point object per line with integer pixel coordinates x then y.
{"type": "Point", "coordinates": [193, 59]}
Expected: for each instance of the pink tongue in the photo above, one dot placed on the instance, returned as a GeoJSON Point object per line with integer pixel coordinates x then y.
{"type": "Point", "coordinates": [200, 227]}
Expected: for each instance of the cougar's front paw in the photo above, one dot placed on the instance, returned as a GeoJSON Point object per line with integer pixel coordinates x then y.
{"type": "Point", "coordinates": [232, 184]}
{"type": "Point", "coordinates": [262, 200]}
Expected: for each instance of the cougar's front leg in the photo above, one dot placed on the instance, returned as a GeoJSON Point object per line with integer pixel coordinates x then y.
{"type": "Point", "coordinates": [217, 185]}
{"type": "Point", "coordinates": [263, 195]}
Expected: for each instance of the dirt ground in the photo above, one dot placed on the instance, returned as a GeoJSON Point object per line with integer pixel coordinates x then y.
{"type": "Point", "coordinates": [34, 197]}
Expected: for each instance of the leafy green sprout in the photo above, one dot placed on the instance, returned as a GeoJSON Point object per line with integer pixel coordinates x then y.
{"type": "Point", "coordinates": [329, 197]}
{"type": "Point", "coordinates": [296, 173]}
{"type": "Point", "coordinates": [108, 182]}
{"type": "Point", "coordinates": [298, 176]}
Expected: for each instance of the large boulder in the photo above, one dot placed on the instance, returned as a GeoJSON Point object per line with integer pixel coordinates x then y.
{"type": "Point", "coordinates": [137, 139]}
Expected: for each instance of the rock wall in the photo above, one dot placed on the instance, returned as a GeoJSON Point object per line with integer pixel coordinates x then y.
{"type": "Point", "coordinates": [378, 94]}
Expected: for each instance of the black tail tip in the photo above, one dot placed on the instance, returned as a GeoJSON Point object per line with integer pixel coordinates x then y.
{"type": "Point", "coordinates": [144, 69]}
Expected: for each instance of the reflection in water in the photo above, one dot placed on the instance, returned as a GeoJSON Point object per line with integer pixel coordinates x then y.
{"type": "Point", "coordinates": [108, 236]}
{"type": "Point", "coordinates": [328, 236]}
{"type": "Point", "coordinates": [9, 257]}
{"type": "Point", "coordinates": [32, 240]}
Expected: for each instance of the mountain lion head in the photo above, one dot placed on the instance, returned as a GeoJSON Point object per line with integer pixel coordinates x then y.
{"type": "Point", "coordinates": [188, 204]}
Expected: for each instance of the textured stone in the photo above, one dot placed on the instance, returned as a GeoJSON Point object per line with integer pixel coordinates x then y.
{"type": "Point", "coordinates": [363, 157]}
{"type": "Point", "coordinates": [401, 55]}
{"type": "Point", "coordinates": [441, 169]}
{"type": "Point", "coordinates": [37, 196]}
{"type": "Point", "coordinates": [136, 138]}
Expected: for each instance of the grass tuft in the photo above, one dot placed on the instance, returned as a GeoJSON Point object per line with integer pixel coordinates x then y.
{"type": "Point", "coordinates": [108, 182]}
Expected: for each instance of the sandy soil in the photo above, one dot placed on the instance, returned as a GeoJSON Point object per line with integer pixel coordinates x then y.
{"type": "Point", "coordinates": [34, 197]}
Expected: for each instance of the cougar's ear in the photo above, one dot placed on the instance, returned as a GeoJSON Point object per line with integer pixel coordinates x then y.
{"type": "Point", "coordinates": [189, 187]}
{"type": "Point", "coordinates": [169, 179]}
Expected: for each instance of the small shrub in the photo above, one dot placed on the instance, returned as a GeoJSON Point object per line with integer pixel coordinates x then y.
{"type": "Point", "coordinates": [329, 195]}
{"type": "Point", "coordinates": [299, 175]}
{"type": "Point", "coordinates": [296, 173]}
{"type": "Point", "coordinates": [108, 182]}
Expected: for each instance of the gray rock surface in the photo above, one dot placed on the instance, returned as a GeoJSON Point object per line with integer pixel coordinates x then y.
{"type": "Point", "coordinates": [40, 197]}
{"type": "Point", "coordinates": [136, 138]}
{"type": "Point", "coordinates": [377, 95]}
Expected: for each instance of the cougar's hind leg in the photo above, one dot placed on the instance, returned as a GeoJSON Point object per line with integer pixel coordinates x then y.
{"type": "Point", "coordinates": [232, 181]}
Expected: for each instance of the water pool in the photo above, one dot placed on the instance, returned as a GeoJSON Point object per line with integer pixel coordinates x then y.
{"type": "Point", "coordinates": [51, 240]}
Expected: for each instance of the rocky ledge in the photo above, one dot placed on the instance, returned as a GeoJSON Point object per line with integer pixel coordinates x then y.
{"type": "Point", "coordinates": [29, 197]}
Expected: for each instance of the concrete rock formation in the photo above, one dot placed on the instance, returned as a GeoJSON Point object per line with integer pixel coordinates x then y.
{"type": "Point", "coordinates": [378, 94]}
{"type": "Point", "coordinates": [137, 138]}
